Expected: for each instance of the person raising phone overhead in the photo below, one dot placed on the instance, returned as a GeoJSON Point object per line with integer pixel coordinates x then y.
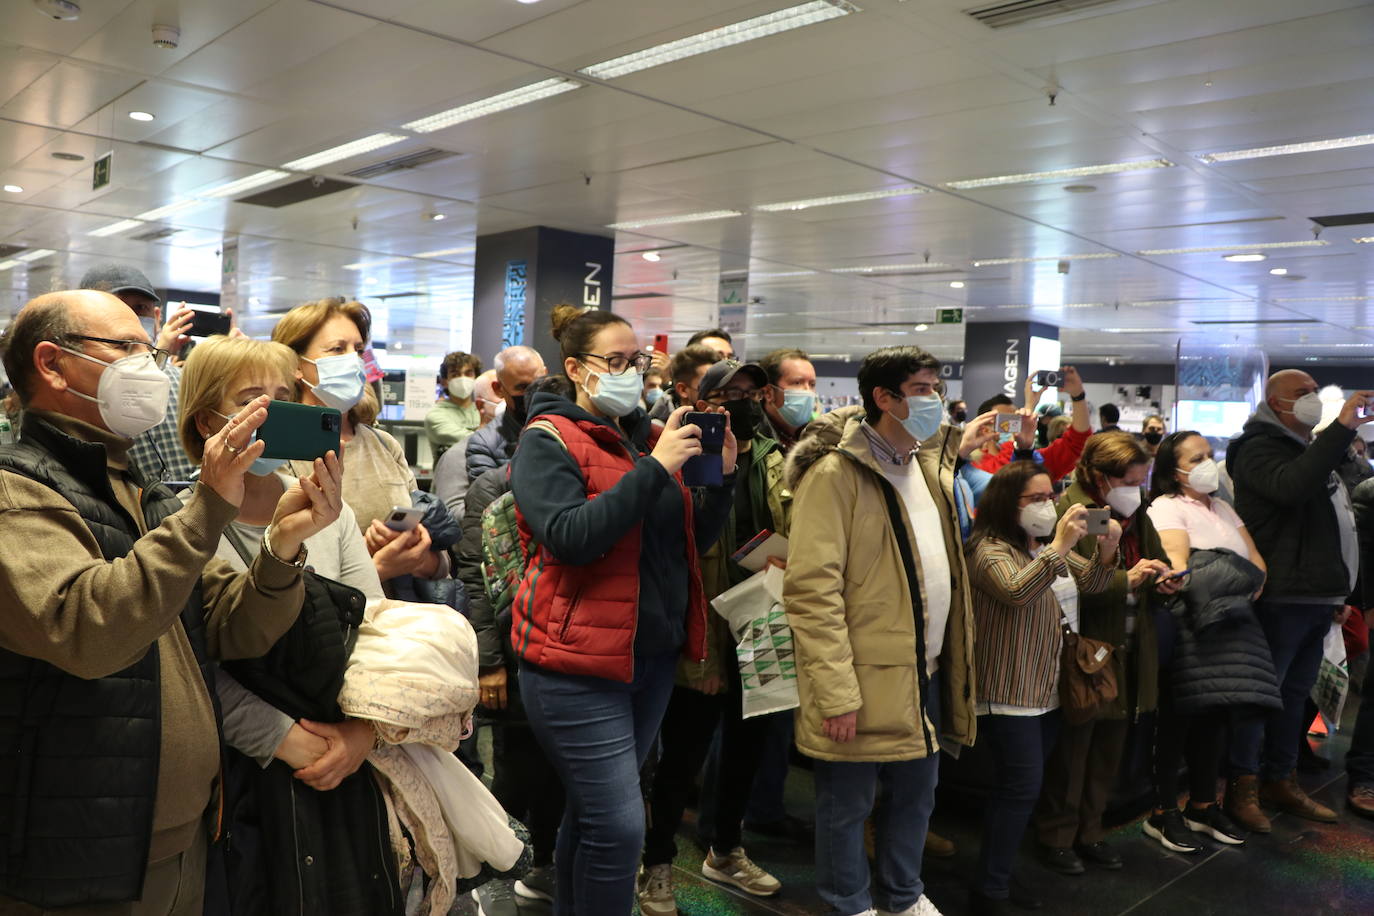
{"type": "Point", "coordinates": [612, 593]}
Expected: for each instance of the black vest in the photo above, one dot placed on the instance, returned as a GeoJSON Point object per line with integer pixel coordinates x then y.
{"type": "Point", "coordinates": [79, 758]}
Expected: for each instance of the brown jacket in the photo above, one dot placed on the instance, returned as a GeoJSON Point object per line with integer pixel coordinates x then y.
{"type": "Point", "coordinates": [850, 606]}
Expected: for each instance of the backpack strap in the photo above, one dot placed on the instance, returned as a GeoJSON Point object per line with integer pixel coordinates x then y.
{"type": "Point", "coordinates": [547, 426]}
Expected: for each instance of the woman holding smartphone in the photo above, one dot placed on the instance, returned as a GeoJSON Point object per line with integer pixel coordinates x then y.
{"type": "Point", "coordinates": [611, 596]}
{"type": "Point", "coordinates": [329, 336]}
{"type": "Point", "coordinates": [1080, 773]}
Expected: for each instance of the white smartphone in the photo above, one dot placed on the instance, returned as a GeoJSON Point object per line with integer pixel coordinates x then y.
{"type": "Point", "coordinates": [404, 518]}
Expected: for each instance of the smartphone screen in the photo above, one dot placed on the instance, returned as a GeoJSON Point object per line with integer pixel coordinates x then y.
{"type": "Point", "coordinates": [208, 324]}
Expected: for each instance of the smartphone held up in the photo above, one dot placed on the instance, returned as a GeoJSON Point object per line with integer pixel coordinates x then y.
{"type": "Point", "coordinates": [706, 469]}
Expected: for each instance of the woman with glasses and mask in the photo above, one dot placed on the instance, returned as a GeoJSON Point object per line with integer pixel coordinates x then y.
{"type": "Point", "coordinates": [611, 596]}
{"type": "Point", "coordinates": [329, 336]}
{"type": "Point", "coordinates": [1026, 579]}
{"type": "Point", "coordinates": [1209, 670]}
{"type": "Point", "coordinates": [1085, 763]}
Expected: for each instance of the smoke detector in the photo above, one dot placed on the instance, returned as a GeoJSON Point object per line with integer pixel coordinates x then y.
{"type": "Point", "coordinates": [166, 36]}
{"type": "Point", "coordinates": [61, 10]}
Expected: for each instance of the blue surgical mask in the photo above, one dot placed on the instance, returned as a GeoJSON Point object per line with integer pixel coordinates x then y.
{"type": "Point", "coordinates": [798, 406]}
{"type": "Point", "coordinates": [261, 467]}
{"type": "Point", "coordinates": [342, 380]}
{"type": "Point", "coordinates": [925, 413]}
{"type": "Point", "coordinates": [616, 395]}
{"type": "Point", "coordinates": [652, 395]}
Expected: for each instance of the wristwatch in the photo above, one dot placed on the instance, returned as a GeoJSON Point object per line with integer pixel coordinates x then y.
{"type": "Point", "coordinates": [298, 562]}
{"type": "Point", "coordinates": [1078, 397]}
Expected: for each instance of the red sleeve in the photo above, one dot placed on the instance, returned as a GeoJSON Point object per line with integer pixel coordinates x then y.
{"type": "Point", "coordinates": [994, 462]}
{"type": "Point", "coordinates": [1061, 456]}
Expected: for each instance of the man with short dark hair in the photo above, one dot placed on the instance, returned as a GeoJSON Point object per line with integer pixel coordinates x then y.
{"type": "Point", "coordinates": [493, 445]}
{"type": "Point", "coordinates": [882, 624]}
{"type": "Point", "coordinates": [115, 607]}
{"type": "Point", "coordinates": [717, 339]}
{"type": "Point", "coordinates": [454, 417]}
{"type": "Point", "coordinates": [1109, 416]}
{"type": "Point", "coordinates": [790, 403]}
{"type": "Point", "coordinates": [958, 413]}
{"type": "Point", "coordinates": [159, 450]}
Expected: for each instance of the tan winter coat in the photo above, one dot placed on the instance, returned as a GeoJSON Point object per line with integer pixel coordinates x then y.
{"type": "Point", "coordinates": [849, 605]}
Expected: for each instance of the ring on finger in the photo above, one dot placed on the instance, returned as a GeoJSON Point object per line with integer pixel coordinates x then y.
{"type": "Point", "coordinates": [231, 449]}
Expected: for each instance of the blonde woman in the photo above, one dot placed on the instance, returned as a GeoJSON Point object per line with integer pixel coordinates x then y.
{"type": "Point", "coordinates": [329, 336]}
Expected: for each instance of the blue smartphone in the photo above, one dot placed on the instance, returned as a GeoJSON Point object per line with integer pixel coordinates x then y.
{"type": "Point", "coordinates": [706, 469]}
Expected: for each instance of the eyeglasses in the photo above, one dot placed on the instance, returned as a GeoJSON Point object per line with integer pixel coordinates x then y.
{"type": "Point", "coordinates": [735, 394]}
{"type": "Point", "coordinates": [128, 347]}
{"type": "Point", "coordinates": [618, 365]}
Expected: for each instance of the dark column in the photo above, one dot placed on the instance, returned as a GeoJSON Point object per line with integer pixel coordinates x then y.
{"type": "Point", "coordinates": [522, 274]}
{"type": "Point", "coordinates": [999, 355]}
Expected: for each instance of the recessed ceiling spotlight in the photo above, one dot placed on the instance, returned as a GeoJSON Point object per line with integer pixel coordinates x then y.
{"type": "Point", "coordinates": [13, 189]}
{"type": "Point", "coordinates": [956, 284]}
{"type": "Point", "coordinates": [1278, 271]}
{"type": "Point", "coordinates": [61, 10]}
{"type": "Point", "coordinates": [1243, 258]}
{"type": "Point", "coordinates": [141, 116]}
{"type": "Point", "coordinates": [437, 217]}
{"type": "Point", "coordinates": [1080, 188]}
{"type": "Point", "coordinates": [922, 327]}
{"type": "Point", "coordinates": [370, 281]}
{"type": "Point", "coordinates": [652, 256]}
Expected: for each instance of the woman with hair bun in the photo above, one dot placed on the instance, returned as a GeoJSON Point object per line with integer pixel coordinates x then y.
{"type": "Point", "coordinates": [611, 594]}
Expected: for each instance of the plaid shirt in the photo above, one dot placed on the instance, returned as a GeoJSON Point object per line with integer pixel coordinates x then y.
{"type": "Point", "coordinates": [885, 452]}
{"type": "Point", "coordinates": [158, 452]}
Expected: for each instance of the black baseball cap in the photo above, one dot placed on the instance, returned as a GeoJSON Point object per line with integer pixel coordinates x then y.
{"type": "Point", "coordinates": [723, 373]}
{"type": "Point", "coordinates": [119, 278]}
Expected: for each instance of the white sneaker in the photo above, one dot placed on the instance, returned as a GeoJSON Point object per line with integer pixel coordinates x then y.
{"type": "Point", "coordinates": [922, 907]}
{"type": "Point", "coordinates": [738, 869]}
{"type": "Point", "coordinates": [656, 891]}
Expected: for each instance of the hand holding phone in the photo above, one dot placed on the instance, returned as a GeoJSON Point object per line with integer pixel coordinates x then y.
{"type": "Point", "coordinates": [300, 432]}
{"type": "Point", "coordinates": [678, 442]}
{"type": "Point", "coordinates": [1098, 521]}
{"type": "Point", "coordinates": [404, 518]}
{"type": "Point", "coordinates": [1010, 424]}
{"type": "Point", "coordinates": [705, 469]}
{"type": "Point", "coordinates": [208, 324]}
{"type": "Point", "coordinates": [1048, 378]}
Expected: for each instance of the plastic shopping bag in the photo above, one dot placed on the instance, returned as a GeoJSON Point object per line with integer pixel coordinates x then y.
{"type": "Point", "coordinates": [1333, 679]}
{"type": "Point", "coordinates": [767, 658]}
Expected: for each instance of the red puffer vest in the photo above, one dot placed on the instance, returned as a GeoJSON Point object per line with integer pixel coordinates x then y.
{"type": "Point", "coordinates": [582, 619]}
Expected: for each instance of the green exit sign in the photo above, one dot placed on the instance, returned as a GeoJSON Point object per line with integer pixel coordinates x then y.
{"type": "Point", "coordinates": [100, 174]}
{"type": "Point", "coordinates": [949, 316]}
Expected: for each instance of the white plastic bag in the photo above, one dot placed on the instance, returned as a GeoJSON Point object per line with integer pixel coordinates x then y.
{"type": "Point", "coordinates": [767, 658]}
{"type": "Point", "coordinates": [1333, 679]}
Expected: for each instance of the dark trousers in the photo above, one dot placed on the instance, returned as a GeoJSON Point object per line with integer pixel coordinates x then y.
{"type": "Point", "coordinates": [1268, 745]}
{"type": "Point", "coordinates": [1019, 745]}
{"type": "Point", "coordinates": [685, 738]}
{"type": "Point", "coordinates": [596, 733]}
{"type": "Point", "coordinates": [775, 762]}
{"type": "Point", "coordinates": [1359, 760]}
{"type": "Point", "coordinates": [527, 786]}
{"type": "Point", "coordinates": [1199, 739]}
{"type": "Point", "coordinates": [1078, 779]}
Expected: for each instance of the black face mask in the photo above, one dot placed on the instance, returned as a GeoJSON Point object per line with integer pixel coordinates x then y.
{"type": "Point", "coordinates": [517, 409]}
{"type": "Point", "coordinates": [744, 418]}
{"type": "Point", "coordinates": [1154, 438]}
{"type": "Point", "coordinates": [961, 416]}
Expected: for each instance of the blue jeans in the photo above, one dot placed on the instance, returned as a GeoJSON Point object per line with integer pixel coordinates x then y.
{"type": "Point", "coordinates": [1359, 760]}
{"type": "Point", "coordinates": [597, 733]}
{"type": "Point", "coordinates": [845, 793]}
{"type": "Point", "coordinates": [1268, 744]}
{"type": "Point", "coordinates": [1020, 745]}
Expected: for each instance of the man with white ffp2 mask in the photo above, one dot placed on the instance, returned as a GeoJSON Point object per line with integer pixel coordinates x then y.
{"type": "Point", "coordinates": [114, 603]}
{"type": "Point", "coordinates": [1298, 512]}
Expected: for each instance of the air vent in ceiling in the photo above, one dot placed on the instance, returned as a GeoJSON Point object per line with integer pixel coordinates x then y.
{"type": "Point", "coordinates": [1018, 12]}
{"type": "Point", "coordinates": [1343, 219]}
{"type": "Point", "coordinates": [296, 192]}
{"type": "Point", "coordinates": [1259, 321]}
{"type": "Point", "coordinates": [155, 234]}
{"type": "Point", "coordinates": [401, 163]}
{"type": "Point", "coordinates": [9, 251]}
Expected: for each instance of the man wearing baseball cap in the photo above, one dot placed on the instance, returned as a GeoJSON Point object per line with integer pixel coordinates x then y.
{"type": "Point", "coordinates": [707, 694]}
{"type": "Point", "coordinates": [158, 451]}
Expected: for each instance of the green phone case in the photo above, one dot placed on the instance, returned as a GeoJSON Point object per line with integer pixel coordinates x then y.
{"type": "Point", "coordinates": [300, 432]}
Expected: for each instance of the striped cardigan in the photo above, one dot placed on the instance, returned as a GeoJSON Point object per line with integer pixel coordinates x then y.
{"type": "Point", "coordinates": [1016, 619]}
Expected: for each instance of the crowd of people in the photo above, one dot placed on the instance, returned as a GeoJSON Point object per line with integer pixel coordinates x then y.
{"type": "Point", "coordinates": [207, 706]}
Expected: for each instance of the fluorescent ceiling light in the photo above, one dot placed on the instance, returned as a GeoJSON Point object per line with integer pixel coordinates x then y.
{"type": "Point", "coordinates": [444, 251]}
{"type": "Point", "coordinates": [784, 273]}
{"type": "Point", "coordinates": [177, 207]}
{"type": "Point", "coordinates": [363, 265]}
{"type": "Point", "coordinates": [34, 255]}
{"type": "Point", "coordinates": [1327, 346]}
{"type": "Point", "coordinates": [1026, 177]}
{"type": "Point", "coordinates": [1242, 258]}
{"type": "Point", "coordinates": [491, 105]}
{"type": "Point", "coordinates": [234, 188]}
{"type": "Point", "coordinates": [1362, 240]}
{"type": "Point", "coordinates": [714, 39]}
{"type": "Point", "coordinates": [1288, 149]}
{"type": "Point", "coordinates": [1094, 256]}
{"type": "Point", "coordinates": [1326, 299]}
{"type": "Point", "coordinates": [1208, 249]}
{"type": "Point", "coordinates": [1140, 330]}
{"type": "Point", "coordinates": [345, 151]}
{"type": "Point", "coordinates": [810, 202]}
{"type": "Point", "coordinates": [888, 268]}
{"type": "Point", "coordinates": [669, 220]}
{"type": "Point", "coordinates": [115, 228]}
{"type": "Point", "coordinates": [11, 263]}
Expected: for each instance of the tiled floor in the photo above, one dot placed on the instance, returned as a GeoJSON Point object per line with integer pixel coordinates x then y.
{"type": "Point", "coordinates": [1301, 868]}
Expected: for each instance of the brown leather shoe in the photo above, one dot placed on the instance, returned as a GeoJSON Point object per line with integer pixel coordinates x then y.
{"type": "Point", "coordinates": [1288, 797]}
{"type": "Point", "coordinates": [1242, 804]}
{"type": "Point", "coordinates": [938, 847]}
{"type": "Point", "coordinates": [1361, 800]}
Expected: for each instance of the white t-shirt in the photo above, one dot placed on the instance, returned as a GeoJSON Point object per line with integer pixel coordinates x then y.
{"type": "Point", "coordinates": [1208, 526]}
{"type": "Point", "coordinates": [931, 553]}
